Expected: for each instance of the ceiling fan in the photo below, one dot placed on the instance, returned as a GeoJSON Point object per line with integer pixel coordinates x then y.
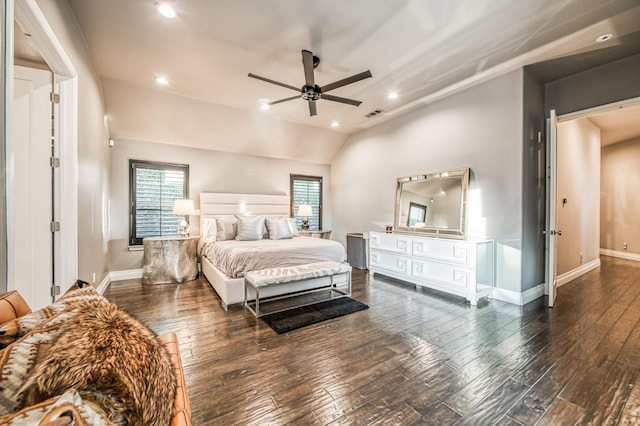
{"type": "Point", "coordinates": [311, 92]}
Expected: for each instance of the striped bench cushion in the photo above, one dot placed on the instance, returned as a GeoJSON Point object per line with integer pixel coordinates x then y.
{"type": "Point", "coordinates": [265, 277]}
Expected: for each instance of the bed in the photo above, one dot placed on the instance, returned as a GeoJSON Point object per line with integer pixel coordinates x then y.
{"type": "Point", "coordinates": [225, 262]}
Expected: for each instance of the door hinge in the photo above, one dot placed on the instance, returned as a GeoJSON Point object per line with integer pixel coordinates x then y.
{"type": "Point", "coordinates": [55, 98]}
{"type": "Point", "coordinates": [55, 226]}
{"type": "Point", "coordinates": [55, 290]}
{"type": "Point", "coordinates": [54, 162]}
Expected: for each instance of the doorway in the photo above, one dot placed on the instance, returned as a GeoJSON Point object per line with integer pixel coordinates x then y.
{"type": "Point", "coordinates": [580, 138]}
{"type": "Point", "coordinates": [32, 23]}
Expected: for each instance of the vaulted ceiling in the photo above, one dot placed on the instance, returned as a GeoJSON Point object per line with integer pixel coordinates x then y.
{"type": "Point", "coordinates": [421, 49]}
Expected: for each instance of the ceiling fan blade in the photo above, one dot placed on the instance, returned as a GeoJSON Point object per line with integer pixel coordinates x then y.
{"type": "Point", "coordinates": [307, 62]}
{"type": "Point", "coordinates": [312, 108]}
{"type": "Point", "coordinates": [345, 81]}
{"type": "Point", "coordinates": [268, 80]}
{"type": "Point", "coordinates": [339, 99]}
{"type": "Point", "coordinates": [283, 100]}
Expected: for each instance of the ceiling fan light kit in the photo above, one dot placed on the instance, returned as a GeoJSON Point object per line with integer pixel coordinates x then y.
{"type": "Point", "coordinates": [310, 91]}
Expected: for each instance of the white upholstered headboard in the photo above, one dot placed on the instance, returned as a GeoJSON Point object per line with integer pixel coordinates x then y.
{"type": "Point", "coordinates": [217, 204]}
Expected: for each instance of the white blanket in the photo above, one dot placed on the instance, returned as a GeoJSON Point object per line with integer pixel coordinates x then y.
{"type": "Point", "coordinates": [235, 258]}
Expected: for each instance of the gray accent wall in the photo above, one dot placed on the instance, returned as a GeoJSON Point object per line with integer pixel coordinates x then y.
{"type": "Point", "coordinates": [480, 128]}
{"type": "Point", "coordinates": [533, 183]}
{"type": "Point", "coordinates": [606, 84]}
{"type": "Point", "coordinates": [209, 171]}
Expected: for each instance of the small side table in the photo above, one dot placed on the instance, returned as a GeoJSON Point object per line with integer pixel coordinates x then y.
{"type": "Point", "coordinates": [320, 233]}
{"type": "Point", "coordinates": [170, 259]}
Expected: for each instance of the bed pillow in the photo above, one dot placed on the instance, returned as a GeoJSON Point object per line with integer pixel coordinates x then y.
{"type": "Point", "coordinates": [250, 228]}
{"type": "Point", "coordinates": [209, 230]}
{"type": "Point", "coordinates": [225, 229]}
{"type": "Point", "coordinates": [293, 226]}
{"type": "Point", "coordinates": [278, 228]}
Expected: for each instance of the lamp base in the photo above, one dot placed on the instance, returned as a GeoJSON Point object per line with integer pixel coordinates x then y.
{"type": "Point", "coordinates": [305, 224]}
{"type": "Point", "coordinates": [184, 228]}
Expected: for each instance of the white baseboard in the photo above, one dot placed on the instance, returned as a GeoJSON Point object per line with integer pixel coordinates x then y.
{"type": "Point", "coordinates": [516, 297]}
{"type": "Point", "coordinates": [130, 274]}
{"type": "Point", "coordinates": [575, 273]}
{"type": "Point", "coordinates": [620, 254]}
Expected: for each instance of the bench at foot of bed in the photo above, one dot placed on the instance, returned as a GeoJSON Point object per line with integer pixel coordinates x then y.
{"type": "Point", "coordinates": [287, 282]}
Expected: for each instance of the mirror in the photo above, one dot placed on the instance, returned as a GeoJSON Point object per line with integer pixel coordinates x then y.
{"type": "Point", "coordinates": [434, 203]}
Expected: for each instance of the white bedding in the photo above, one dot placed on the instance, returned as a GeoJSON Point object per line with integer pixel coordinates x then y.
{"type": "Point", "coordinates": [234, 258]}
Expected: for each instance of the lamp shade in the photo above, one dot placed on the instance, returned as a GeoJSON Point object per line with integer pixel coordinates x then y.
{"type": "Point", "coordinates": [305, 210]}
{"type": "Point", "coordinates": [183, 207]}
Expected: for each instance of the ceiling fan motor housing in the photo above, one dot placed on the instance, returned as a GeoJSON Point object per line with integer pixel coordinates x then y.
{"type": "Point", "coordinates": [311, 93]}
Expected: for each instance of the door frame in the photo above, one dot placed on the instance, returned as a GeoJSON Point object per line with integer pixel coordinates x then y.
{"type": "Point", "coordinates": [551, 177]}
{"type": "Point", "coordinates": [31, 19]}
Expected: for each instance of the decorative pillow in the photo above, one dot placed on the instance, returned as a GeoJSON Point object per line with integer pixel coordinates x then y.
{"type": "Point", "coordinates": [68, 408]}
{"type": "Point", "coordinates": [293, 226]}
{"type": "Point", "coordinates": [225, 229]}
{"type": "Point", "coordinates": [278, 228]}
{"type": "Point", "coordinates": [20, 358]}
{"type": "Point", "coordinates": [250, 228]}
{"type": "Point", "coordinates": [18, 327]}
{"type": "Point", "coordinates": [138, 387]}
{"type": "Point", "coordinates": [209, 230]}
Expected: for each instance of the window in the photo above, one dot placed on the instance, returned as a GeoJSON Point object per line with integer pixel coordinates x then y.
{"type": "Point", "coordinates": [154, 186]}
{"type": "Point", "coordinates": [307, 190]}
{"type": "Point", "coordinates": [417, 215]}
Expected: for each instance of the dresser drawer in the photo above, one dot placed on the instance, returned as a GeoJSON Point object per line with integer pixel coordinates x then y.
{"type": "Point", "coordinates": [458, 252]}
{"type": "Point", "coordinates": [454, 277]}
{"type": "Point", "coordinates": [381, 260]}
{"type": "Point", "coordinates": [390, 242]}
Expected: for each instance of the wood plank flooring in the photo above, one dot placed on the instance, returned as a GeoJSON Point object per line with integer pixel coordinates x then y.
{"type": "Point", "coordinates": [415, 357]}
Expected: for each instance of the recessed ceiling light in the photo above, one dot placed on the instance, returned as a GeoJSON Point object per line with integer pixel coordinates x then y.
{"type": "Point", "coordinates": [166, 10]}
{"type": "Point", "coordinates": [334, 123]}
{"type": "Point", "coordinates": [604, 37]}
{"type": "Point", "coordinates": [392, 95]}
{"type": "Point", "coordinates": [162, 80]}
{"type": "Point", "coordinates": [264, 103]}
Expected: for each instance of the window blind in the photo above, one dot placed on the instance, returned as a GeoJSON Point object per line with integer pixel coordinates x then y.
{"type": "Point", "coordinates": [154, 187]}
{"type": "Point", "coordinates": [307, 190]}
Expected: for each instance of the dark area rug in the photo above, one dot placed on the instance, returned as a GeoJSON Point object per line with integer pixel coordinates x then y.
{"type": "Point", "coordinates": [295, 318]}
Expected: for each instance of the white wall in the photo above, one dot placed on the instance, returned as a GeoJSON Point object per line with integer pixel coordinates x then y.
{"type": "Point", "coordinates": [620, 202]}
{"type": "Point", "coordinates": [93, 151]}
{"type": "Point", "coordinates": [578, 177]}
{"type": "Point", "coordinates": [480, 128]}
{"type": "Point", "coordinates": [139, 113]}
{"type": "Point", "coordinates": [209, 171]}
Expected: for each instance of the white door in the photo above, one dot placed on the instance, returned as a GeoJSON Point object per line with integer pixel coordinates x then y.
{"type": "Point", "coordinates": [30, 189]}
{"type": "Point", "coordinates": [552, 218]}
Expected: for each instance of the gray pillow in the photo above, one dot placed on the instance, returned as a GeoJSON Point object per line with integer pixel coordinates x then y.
{"type": "Point", "coordinates": [278, 228]}
{"type": "Point", "coordinates": [250, 228]}
{"type": "Point", "coordinates": [225, 229]}
{"type": "Point", "coordinates": [293, 226]}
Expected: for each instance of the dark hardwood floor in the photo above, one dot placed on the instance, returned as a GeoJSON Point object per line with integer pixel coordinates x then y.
{"type": "Point", "coordinates": [414, 357]}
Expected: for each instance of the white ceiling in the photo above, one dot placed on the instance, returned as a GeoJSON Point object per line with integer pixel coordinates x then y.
{"type": "Point", "coordinates": [618, 125]}
{"type": "Point", "coordinates": [416, 47]}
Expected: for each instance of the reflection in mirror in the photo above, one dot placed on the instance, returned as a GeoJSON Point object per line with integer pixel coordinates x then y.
{"type": "Point", "coordinates": [433, 203]}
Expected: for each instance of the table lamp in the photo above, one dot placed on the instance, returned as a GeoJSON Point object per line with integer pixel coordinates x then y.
{"type": "Point", "coordinates": [184, 208]}
{"type": "Point", "coordinates": [305, 211]}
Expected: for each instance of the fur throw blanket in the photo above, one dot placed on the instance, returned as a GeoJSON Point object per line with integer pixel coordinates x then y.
{"type": "Point", "coordinates": [115, 363]}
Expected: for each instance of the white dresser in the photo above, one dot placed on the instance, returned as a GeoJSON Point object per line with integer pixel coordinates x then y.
{"type": "Point", "coordinates": [460, 267]}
